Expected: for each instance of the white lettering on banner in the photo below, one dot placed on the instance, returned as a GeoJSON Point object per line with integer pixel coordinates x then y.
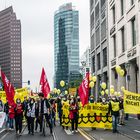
{"type": "Point", "coordinates": [2, 118]}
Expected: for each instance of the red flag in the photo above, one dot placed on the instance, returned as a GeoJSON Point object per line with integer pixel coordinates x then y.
{"type": "Point", "coordinates": [45, 88]}
{"type": "Point", "coordinates": [9, 89]}
{"type": "Point", "coordinates": [83, 90]}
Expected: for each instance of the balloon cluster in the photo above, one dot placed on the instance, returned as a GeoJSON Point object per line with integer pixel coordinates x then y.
{"type": "Point", "coordinates": [92, 79]}
{"type": "Point", "coordinates": [120, 71]}
{"type": "Point", "coordinates": [104, 90]}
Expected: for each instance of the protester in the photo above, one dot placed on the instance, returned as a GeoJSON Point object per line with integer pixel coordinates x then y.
{"type": "Point", "coordinates": [74, 114]}
{"type": "Point", "coordinates": [25, 103]}
{"type": "Point", "coordinates": [121, 119]}
{"type": "Point", "coordinates": [11, 116]}
{"type": "Point", "coordinates": [53, 111]}
{"type": "Point", "coordinates": [59, 109]}
{"type": "Point", "coordinates": [37, 116]}
{"type": "Point", "coordinates": [44, 110]}
{"type": "Point", "coordinates": [114, 108]}
{"type": "Point", "coordinates": [18, 116]}
{"type": "Point", "coordinates": [1, 106]}
{"type": "Point", "coordinates": [6, 110]}
{"type": "Point", "coordinates": [31, 116]}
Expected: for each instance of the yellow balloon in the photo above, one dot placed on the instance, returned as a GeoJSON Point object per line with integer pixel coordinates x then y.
{"type": "Point", "coordinates": [102, 92]}
{"type": "Point", "coordinates": [58, 91]}
{"type": "Point", "coordinates": [55, 90]}
{"type": "Point", "coordinates": [122, 72]}
{"type": "Point", "coordinates": [111, 86]}
{"type": "Point", "coordinates": [62, 83]}
{"type": "Point", "coordinates": [119, 94]}
{"type": "Point", "coordinates": [103, 85]}
{"type": "Point", "coordinates": [115, 93]}
{"type": "Point", "coordinates": [91, 84]}
{"type": "Point", "coordinates": [106, 91]}
{"type": "Point", "coordinates": [118, 68]}
{"type": "Point", "coordinates": [111, 90]}
{"type": "Point", "coordinates": [66, 92]}
{"type": "Point", "coordinates": [122, 88]}
{"type": "Point", "coordinates": [94, 78]}
{"type": "Point", "coordinates": [90, 78]}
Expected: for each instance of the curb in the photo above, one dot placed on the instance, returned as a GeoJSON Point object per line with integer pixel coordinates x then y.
{"type": "Point", "coordinates": [127, 135]}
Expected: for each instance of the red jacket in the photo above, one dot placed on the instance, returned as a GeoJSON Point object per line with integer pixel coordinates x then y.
{"type": "Point", "coordinates": [19, 109]}
{"type": "Point", "coordinates": [11, 112]}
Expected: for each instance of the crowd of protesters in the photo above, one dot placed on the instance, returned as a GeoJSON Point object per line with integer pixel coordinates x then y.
{"type": "Point", "coordinates": [32, 111]}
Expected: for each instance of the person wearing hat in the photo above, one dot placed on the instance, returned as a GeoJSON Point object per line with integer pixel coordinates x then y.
{"type": "Point", "coordinates": [44, 109]}
{"type": "Point", "coordinates": [114, 107]}
{"type": "Point", "coordinates": [91, 99]}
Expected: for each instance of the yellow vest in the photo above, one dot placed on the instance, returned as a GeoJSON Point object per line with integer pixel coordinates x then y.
{"type": "Point", "coordinates": [115, 106]}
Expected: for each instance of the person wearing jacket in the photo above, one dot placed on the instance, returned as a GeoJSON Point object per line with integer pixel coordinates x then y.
{"type": "Point", "coordinates": [1, 106]}
{"type": "Point", "coordinates": [44, 110]}
{"type": "Point", "coordinates": [31, 116]}
{"type": "Point", "coordinates": [18, 116]}
{"type": "Point", "coordinates": [74, 114]}
{"type": "Point", "coordinates": [114, 107]}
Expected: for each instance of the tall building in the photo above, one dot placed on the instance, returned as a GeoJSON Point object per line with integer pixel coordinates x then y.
{"type": "Point", "coordinates": [85, 62]}
{"type": "Point", "coordinates": [124, 43]}
{"type": "Point", "coordinates": [10, 46]}
{"type": "Point", "coordinates": [99, 42]}
{"type": "Point", "coordinates": [66, 44]}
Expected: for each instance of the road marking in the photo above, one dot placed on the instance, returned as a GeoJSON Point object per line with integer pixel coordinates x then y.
{"type": "Point", "coordinates": [137, 131]}
{"type": "Point", "coordinates": [4, 136]}
{"type": "Point", "coordinates": [68, 132]}
{"type": "Point", "coordinates": [2, 130]}
{"type": "Point", "coordinates": [86, 135]}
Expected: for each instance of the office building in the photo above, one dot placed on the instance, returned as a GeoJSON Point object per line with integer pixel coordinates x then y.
{"type": "Point", "coordinates": [99, 42]}
{"type": "Point", "coordinates": [124, 43]}
{"type": "Point", "coordinates": [10, 46]}
{"type": "Point", "coordinates": [66, 44]}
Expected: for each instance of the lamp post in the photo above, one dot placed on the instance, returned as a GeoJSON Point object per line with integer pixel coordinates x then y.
{"type": "Point", "coordinates": [127, 66]}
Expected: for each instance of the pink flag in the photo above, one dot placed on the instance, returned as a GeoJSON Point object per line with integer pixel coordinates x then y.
{"type": "Point", "coordinates": [83, 90]}
{"type": "Point", "coordinates": [45, 88]}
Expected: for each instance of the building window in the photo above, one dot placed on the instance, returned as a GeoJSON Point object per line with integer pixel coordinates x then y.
{"type": "Point", "coordinates": [92, 42]}
{"type": "Point", "coordinates": [98, 61]}
{"type": "Point", "coordinates": [133, 24]}
{"type": "Point", "coordinates": [97, 36]}
{"type": "Point", "coordinates": [105, 57]}
{"type": "Point", "coordinates": [122, 7]}
{"type": "Point", "coordinates": [114, 15]}
{"type": "Point", "coordinates": [93, 63]}
{"type": "Point", "coordinates": [103, 30]}
{"type": "Point", "coordinates": [92, 20]}
{"type": "Point", "coordinates": [97, 12]}
{"type": "Point", "coordinates": [114, 45]}
{"type": "Point", "coordinates": [132, 2]}
{"type": "Point", "coordinates": [123, 39]}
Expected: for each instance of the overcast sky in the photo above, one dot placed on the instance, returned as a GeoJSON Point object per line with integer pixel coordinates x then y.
{"type": "Point", "coordinates": [38, 34]}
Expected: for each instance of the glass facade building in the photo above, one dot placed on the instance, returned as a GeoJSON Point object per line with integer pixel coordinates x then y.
{"type": "Point", "coordinates": [66, 44]}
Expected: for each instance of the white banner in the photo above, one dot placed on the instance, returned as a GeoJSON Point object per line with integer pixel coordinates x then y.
{"type": "Point", "coordinates": [2, 118]}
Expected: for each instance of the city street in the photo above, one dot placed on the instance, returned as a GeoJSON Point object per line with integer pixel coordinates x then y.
{"type": "Point", "coordinates": [125, 133]}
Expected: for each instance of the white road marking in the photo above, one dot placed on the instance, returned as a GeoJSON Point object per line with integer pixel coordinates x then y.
{"type": "Point", "coordinates": [137, 131]}
{"type": "Point", "coordinates": [68, 132]}
{"type": "Point", "coordinates": [2, 131]}
{"type": "Point", "coordinates": [4, 136]}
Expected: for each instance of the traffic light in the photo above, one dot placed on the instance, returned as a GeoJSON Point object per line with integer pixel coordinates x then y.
{"type": "Point", "coordinates": [28, 82]}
